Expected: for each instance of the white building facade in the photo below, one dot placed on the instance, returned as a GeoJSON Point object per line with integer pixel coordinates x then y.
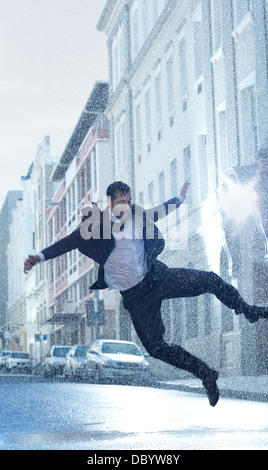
{"type": "Point", "coordinates": [188, 100]}
{"type": "Point", "coordinates": [21, 242]}
{"type": "Point", "coordinates": [36, 281]}
{"type": "Point", "coordinates": [83, 174]}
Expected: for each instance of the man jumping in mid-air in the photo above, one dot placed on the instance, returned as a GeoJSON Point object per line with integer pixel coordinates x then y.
{"type": "Point", "coordinates": [127, 259]}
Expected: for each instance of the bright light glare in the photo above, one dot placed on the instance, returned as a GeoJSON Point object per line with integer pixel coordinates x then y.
{"type": "Point", "coordinates": [239, 201]}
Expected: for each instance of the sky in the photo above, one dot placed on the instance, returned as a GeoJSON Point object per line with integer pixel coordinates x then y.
{"type": "Point", "coordinates": [51, 55]}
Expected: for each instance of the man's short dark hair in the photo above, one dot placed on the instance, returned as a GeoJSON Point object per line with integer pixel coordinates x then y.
{"type": "Point", "coordinates": [117, 187]}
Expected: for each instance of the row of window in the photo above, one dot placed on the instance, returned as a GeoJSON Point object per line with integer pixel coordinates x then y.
{"type": "Point", "coordinates": [41, 315]}
{"type": "Point", "coordinates": [65, 265]}
{"type": "Point", "coordinates": [144, 15]}
{"type": "Point", "coordinates": [248, 137]}
{"type": "Point", "coordinates": [186, 326]}
{"type": "Point", "coordinates": [79, 192]}
{"type": "Point", "coordinates": [249, 146]}
{"type": "Point", "coordinates": [170, 83]}
{"type": "Point", "coordinates": [77, 291]}
{"type": "Point", "coordinates": [173, 187]}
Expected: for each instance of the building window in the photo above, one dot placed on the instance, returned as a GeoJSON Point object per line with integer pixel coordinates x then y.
{"type": "Point", "coordinates": [115, 65]}
{"type": "Point", "coordinates": [158, 101]}
{"type": "Point", "coordinates": [95, 169]}
{"type": "Point", "coordinates": [124, 140]}
{"type": "Point", "coordinates": [198, 41]}
{"type": "Point", "coordinates": [85, 286]}
{"type": "Point", "coordinates": [207, 314]}
{"type": "Point", "coordinates": [188, 170]}
{"type": "Point", "coordinates": [138, 129]}
{"type": "Point", "coordinates": [148, 124]}
{"type": "Point", "coordinates": [151, 193]}
{"type": "Point", "coordinates": [216, 24]}
{"type": "Point", "coordinates": [249, 124]}
{"type": "Point", "coordinates": [122, 52]}
{"type": "Point", "coordinates": [134, 33]}
{"type": "Point", "coordinates": [117, 147]}
{"type": "Point", "coordinates": [71, 204]}
{"type": "Point", "coordinates": [145, 18]}
{"type": "Point", "coordinates": [155, 10]}
{"type": "Point", "coordinates": [241, 8]}
{"type": "Point", "coordinates": [83, 182]}
{"type": "Point", "coordinates": [178, 326]}
{"type": "Point", "coordinates": [120, 144]}
{"type": "Point", "coordinates": [166, 315]}
{"type": "Point", "coordinates": [183, 68]}
{"type": "Point", "coordinates": [118, 57]}
{"type": "Point", "coordinates": [191, 317]}
{"type": "Point", "coordinates": [203, 165]}
{"type": "Point", "coordinates": [161, 186]}
{"type": "Point", "coordinates": [174, 186]}
{"type": "Point", "coordinates": [89, 174]}
{"type": "Point", "coordinates": [50, 233]}
{"type": "Point", "coordinates": [72, 262]}
{"type": "Point", "coordinates": [51, 272]}
{"type": "Point", "coordinates": [141, 198]}
{"type": "Point", "coordinates": [223, 144]}
{"type": "Point", "coordinates": [170, 85]}
{"type": "Point", "coordinates": [173, 178]}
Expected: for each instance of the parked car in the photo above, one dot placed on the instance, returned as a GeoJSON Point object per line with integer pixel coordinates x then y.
{"type": "Point", "coordinates": [111, 359]}
{"type": "Point", "coordinates": [55, 361]}
{"type": "Point", "coordinates": [3, 358]}
{"type": "Point", "coordinates": [19, 361]}
{"type": "Point", "coordinates": [75, 359]}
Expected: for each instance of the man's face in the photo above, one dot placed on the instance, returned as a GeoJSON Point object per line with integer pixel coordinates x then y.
{"type": "Point", "coordinates": [120, 206]}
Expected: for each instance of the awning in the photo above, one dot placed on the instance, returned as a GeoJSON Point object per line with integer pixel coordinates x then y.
{"type": "Point", "coordinates": [66, 318]}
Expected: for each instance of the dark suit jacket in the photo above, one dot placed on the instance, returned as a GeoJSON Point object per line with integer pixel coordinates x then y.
{"type": "Point", "coordinates": [100, 248]}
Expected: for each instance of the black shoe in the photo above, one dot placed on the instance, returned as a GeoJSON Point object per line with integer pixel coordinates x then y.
{"type": "Point", "coordinates": [254, 313]}
{"type": "Point", "coordinates": [262, 312]}
{"type": "Point", "coordinates": [211, 387]}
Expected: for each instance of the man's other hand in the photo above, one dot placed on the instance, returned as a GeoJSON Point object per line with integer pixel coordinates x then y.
{"type": "Point", "coordinates": [30, 262]}
{"type": "Point", "coordinates": [184, 189]}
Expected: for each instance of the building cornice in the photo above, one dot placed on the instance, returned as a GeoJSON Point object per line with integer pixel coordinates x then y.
{"type": "Point", "coordinates": [107, 13]}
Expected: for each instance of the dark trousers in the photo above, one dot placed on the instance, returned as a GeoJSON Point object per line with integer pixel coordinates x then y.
{"type": "Point", "coordinates": [144, 305]}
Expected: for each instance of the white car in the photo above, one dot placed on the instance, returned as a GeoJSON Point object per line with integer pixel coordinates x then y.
{"type": "Point", "coordinates": [19, 361]}
{"type": "Point", "coordinates": [55, 361]}
{"type": "Point", "coordinates": [75, 360]}
{"type": "Point", "coordinates": [3, 358]}
{"type": "Point", "coordinates": [114, 359]}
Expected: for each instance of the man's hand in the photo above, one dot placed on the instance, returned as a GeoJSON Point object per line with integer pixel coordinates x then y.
{"type": "Point", "coordinates": [184, 189]}
{"type": "Point", "coordinates": [30, 262]}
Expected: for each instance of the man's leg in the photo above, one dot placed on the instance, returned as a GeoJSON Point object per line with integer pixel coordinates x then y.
{"type": "Point", "coordinates": [181, 282]}
{"type": "Point", "coordinates": [144, 309]}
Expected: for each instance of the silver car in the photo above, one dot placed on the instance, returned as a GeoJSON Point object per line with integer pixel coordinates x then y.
{"type": "Point", "coordinates": [19, 361]}
{"type": "Point", "coordinates": [3, 358]}
{"type": "Point", "coordinates": [113, 359]}
{"type": "Point", "coordinates": [55, 361]}
{"type": "Point", "coordinates": [75, 359]}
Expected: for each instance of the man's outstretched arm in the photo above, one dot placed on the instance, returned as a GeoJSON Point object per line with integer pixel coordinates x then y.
{"type": "Point", "coordinates": [162, 210]}
{"type": "Point", "coordinates": [69, 243]}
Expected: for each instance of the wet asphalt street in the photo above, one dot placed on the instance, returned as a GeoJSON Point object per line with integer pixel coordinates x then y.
{"type": "Point", "coordinates": [38, 414]}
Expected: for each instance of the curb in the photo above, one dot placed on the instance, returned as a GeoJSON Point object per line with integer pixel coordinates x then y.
{"type": "Point", "coordinates": [224, 393]}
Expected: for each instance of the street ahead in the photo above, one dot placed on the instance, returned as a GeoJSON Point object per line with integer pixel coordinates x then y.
{"type": "Point", "coordinates": [55, 415]}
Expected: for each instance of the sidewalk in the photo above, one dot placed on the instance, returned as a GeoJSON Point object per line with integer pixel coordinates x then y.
{"type": "Point", "coordinates": [244, 388]}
